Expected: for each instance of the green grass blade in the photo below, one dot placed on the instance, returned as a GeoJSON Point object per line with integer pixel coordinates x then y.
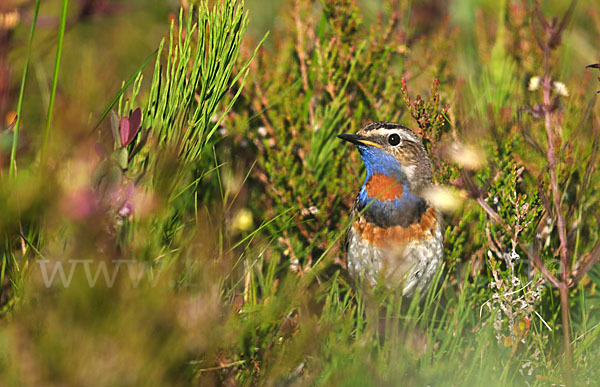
{"type": "Point", "coordinates": [61, 36]}
{"type": "Point", "coordinates": [13, 152]}
{"type": "Point", "coordinates": [129, 81]}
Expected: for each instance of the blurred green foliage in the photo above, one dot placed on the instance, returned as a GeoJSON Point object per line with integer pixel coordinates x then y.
{"type": "Point", "coordinates": [215, 245]}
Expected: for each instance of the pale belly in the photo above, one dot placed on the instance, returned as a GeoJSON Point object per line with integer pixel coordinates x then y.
{"type": "Point", "coordinates": [411, 266]}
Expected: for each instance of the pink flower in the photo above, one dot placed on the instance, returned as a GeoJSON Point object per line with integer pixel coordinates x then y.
{"type": "Point", "coordinates": [125, 129]}
{"type": "Point", "coordinates": [80, 204]}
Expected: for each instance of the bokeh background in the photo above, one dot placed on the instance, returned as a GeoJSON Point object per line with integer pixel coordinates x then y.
{"type": "Point", "coordinates": [240, 248]}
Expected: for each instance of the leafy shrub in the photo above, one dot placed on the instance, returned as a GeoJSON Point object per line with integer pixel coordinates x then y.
{"type": "Point", "coordinates": [226, 195]}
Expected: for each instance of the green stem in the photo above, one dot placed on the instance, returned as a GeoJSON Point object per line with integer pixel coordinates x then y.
{"type": "Point", "coordinates": [564, 308]}
{"type": "Point", "coordinates": [13, 152]}
{"type": "Point", "coordinates": [61, 35]}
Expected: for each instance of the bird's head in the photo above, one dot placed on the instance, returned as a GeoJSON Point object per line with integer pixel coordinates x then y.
{"type": "Point", "coordinates": [394, 151]}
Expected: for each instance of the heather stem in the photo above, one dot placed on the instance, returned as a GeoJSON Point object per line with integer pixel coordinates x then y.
{"type": "Point", "coordinates": [564, 306]}
{"type": "Point", "coordinates": [564, 255]}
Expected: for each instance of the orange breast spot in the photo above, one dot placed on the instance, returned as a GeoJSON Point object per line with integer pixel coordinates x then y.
{"type": "Point", "coordinates": [396, 235]}
{"type": "Point", "coordinates": [383, 188]}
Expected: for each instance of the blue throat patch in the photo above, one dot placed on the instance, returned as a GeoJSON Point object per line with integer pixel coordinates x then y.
{"type": "Point", "coordinates": [402, 211]}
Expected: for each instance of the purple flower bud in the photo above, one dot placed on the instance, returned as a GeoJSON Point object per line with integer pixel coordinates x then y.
{"type": "Point", "coordinates": [129, 127]}
{"type": "Point", "coordinates": [124, 130]}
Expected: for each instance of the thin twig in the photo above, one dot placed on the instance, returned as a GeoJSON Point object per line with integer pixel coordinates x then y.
{"type": "Point", "coordinates": [217, 368]}
{"type": "Point", "coordinates": [552, 40]}
{"type": "Point", "coordinates": [594, 257]}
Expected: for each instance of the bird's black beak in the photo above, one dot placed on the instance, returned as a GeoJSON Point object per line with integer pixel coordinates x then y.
{"type": "Point", "coordinates": [358, 140]}
{"type": "Point", "coordinates": [353, 138]}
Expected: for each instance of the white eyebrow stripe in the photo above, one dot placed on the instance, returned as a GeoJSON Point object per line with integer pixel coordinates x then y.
{"type": "Point", "coordinates": [404, 135]}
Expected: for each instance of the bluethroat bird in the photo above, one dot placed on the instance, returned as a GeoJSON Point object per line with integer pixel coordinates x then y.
{"type": "Point", "coordinates": [396, 236]}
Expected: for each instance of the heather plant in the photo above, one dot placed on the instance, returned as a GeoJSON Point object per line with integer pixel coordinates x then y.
{"type": "Point", "coordinates": [192, 230]}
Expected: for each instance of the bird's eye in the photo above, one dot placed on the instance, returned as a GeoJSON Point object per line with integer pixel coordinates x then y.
{"type": "Point", "coordinates": [394, 139]}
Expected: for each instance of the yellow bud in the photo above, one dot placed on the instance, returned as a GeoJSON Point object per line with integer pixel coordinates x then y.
{"type": "Point", "coordinates": [243, 220]}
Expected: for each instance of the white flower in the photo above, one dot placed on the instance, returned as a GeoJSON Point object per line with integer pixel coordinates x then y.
{"type": "Point", "coordinates": [534, 83]}
{"type": "Point", "coordinates": [514, 256]}
{"type": "Point", "coordinates": [561, 89]}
